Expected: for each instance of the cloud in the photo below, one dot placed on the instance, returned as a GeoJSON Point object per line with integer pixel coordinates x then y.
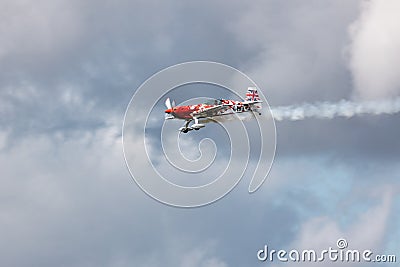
{"type": "Point", "coordinates": [375, 50]}
{"type": "Point", "coordinates": [300, 48]}
{"type": "Point", "coordinates": [367, 232]}
{"type": "Point", "coordinates": [44, 29]}
{"type": "Point", "coordinates": [72, 196]}
{"type": "Point", "coordinates": [201, 257]}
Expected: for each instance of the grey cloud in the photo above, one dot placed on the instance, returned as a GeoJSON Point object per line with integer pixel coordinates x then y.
{"type": "Point", "coordinates": [97, 51]}
{"type": "Point", "coordinates": [72, 203]}
{"type": "Point", "coordinates": [301, 48]}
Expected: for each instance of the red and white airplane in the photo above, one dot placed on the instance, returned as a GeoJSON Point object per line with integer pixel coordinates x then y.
{"type": "Point", "coordinates": [212, 108]}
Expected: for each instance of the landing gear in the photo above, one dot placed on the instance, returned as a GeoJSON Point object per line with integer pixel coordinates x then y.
{"type": "Point", "coordinates": [196, 126]}
{"type": "Point", "coordinates": [185, 128]}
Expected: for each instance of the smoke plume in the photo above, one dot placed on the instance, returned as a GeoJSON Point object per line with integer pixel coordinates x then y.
{"type": "Point", "coordinates": [329, 110]}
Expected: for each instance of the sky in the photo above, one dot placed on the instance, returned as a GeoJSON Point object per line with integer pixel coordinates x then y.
{"type": "Point", "coordinates": [68, 70]}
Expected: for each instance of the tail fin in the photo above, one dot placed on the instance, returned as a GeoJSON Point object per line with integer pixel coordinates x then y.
{"type": "Point", "coordinates": [252, 94]}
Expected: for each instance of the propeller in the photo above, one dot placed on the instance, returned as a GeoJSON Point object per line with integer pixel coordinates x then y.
{"type": "Point", "coordinates": [169, 113]}
{"type": "Point", "coordinates": [168, 103]}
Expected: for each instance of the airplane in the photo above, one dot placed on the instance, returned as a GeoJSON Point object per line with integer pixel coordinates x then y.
{"type": "Point", "coordinates": [212, 108]}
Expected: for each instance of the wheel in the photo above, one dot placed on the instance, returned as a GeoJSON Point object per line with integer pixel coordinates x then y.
{"type": "Point", "coordinates": [197, 129]}
{"type": "Point", "coordinates": [185, 131]}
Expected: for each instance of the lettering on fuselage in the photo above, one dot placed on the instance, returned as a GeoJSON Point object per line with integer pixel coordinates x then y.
{"type": "Point", "coordinates": [240, 108]}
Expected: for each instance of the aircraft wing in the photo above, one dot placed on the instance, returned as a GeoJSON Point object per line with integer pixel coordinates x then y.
{"type": "Point", "coordinates": [251, 102]}
{"type": "Point", "coordinates": [209, 112]}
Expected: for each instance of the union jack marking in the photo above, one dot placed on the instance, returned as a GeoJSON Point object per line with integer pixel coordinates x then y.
{"type": "Point", "coordinates": [252, 94]}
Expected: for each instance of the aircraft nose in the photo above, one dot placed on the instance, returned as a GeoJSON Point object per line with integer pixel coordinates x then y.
{"type": "Point", "coordinates": [168, 110]}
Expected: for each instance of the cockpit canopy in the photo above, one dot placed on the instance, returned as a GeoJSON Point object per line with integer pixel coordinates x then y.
{"type": "Point", "coordinates": [213, 102]}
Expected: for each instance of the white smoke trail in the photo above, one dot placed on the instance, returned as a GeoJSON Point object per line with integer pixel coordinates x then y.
{"type": "Point", "coordinates": [329, 110]}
